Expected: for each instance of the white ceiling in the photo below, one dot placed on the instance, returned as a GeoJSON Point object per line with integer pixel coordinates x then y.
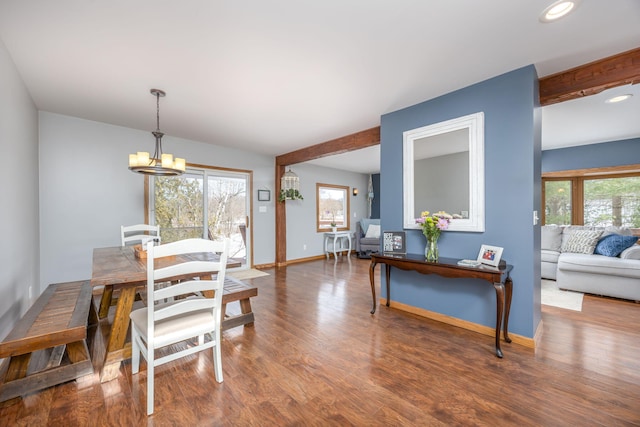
{"type": "Point", "coordinates": [275, 76]}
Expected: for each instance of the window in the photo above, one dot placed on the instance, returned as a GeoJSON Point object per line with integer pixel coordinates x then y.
{"type": "Point", "coordinates": [332, 207]}
{"type": "Point", "coordinates": [557, 209]}
{"type": "Point", "coordinates": [592, 197]}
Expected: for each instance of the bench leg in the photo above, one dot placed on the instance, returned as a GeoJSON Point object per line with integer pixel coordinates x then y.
{"type": "Point", "coordinates": [17, 383]}
{"type": "Point", "coordinates": [78, 352]}
{"type": "Point", "coordinates": [224, 310]}
{"type": "Point", "coordinates": [17, 370]}
{"type": "Point", "coordinates": [56, 356]}
{"type": "Point", "coordinates": [17, 367]}
{"type": "Point", "coordinates": [245, 307]}
{"type": "Point", "coordinates": [246, 318]}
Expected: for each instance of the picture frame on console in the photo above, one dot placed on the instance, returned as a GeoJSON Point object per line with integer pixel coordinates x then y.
{"type": "Point", "coordinates": [394, 242]}
{"type": "Point", "coordinates": [490, 255]}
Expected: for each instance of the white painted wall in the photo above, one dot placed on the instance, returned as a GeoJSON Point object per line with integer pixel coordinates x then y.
{"type": "Point", "coordinates": [301, 214]}
{"type": "Point", "coordinates": [87, 192]}
{"type": "Point", "coordinates": [18, 196]}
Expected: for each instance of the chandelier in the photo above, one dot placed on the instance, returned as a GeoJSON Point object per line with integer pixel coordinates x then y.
{"type": "Point", "coordinates": [160, 164]}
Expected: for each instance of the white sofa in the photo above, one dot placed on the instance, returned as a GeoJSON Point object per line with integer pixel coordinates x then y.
{"type": "Point", "coordinates": [614, 276]}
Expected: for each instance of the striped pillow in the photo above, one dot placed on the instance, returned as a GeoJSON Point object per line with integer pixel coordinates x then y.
{"type": "Point", "coordinates": [582, 241]}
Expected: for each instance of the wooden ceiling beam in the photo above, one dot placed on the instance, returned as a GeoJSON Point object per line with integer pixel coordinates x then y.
{"type": "Point", "coordinates": [591, 78]}
{"type": "Point", "coordinates": [355, 141]}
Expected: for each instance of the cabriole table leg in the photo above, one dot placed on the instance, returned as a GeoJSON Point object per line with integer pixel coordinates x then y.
{"type": "Point", "coordinates": [499, 310]}
{"type": "Point", "coordinates": [372, 279]}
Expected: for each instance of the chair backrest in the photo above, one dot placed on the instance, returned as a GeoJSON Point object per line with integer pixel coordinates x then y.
{"type": "Point", "coordinates": [194, 279]}
{"type": "Point", "coordinates": [139, 233]}
{"type": "Point", "coordinates": [366, 222]}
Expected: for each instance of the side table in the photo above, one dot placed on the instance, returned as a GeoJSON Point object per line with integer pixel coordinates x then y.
{"type": "Point", "coordinates": [338, 239]}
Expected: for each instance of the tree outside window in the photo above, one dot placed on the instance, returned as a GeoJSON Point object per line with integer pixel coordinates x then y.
{"type": "Point", "coordinates": [558, 202]}
{"type": "Point", "coordinates": [612, 201]}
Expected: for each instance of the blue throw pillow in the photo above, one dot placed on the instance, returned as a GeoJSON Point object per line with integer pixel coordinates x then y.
{"type": "Point", "coordinates": [614, 244]}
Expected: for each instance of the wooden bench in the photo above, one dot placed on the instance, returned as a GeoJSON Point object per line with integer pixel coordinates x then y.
{"type": "Point", "coordinates": [54, 327]}
{"type": "Point", "coordinates": [235, 290]}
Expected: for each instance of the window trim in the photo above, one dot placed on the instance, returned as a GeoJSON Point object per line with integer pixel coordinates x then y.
{"type": "Point", "coordinates": [346, 205]}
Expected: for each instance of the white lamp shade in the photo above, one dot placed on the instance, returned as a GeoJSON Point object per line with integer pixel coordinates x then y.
{"type": "Point", "coordinates": [143, 158]}
{"type": "Point", "coordinates": [167, 160]}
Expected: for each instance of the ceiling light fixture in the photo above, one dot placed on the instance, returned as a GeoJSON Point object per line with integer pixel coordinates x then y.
{"type": "Point", "coordinates": [618, 98]}
{"type": "Point", "coordinates": [160, 164]}
{"type": "Point", "coordinates": [557, 10]}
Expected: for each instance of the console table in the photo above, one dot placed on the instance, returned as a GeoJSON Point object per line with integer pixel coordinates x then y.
{"type": "Point", "coordinates": [448, 267]}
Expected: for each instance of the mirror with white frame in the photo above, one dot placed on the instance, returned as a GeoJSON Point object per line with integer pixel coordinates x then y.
{"type": "Point", "coordinates": [443, 170]}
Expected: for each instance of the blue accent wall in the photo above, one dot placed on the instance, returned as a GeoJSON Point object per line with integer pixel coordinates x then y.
{"type": "Point", "coordinates": [605, 154]}
{"type": "Point", "coordinates": [512, 192]}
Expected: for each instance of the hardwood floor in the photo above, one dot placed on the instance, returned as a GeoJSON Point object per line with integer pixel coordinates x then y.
{"type": "Point", "coordinates": [316, 357]}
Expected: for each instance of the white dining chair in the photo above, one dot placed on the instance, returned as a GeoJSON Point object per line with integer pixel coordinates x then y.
{"type": "Point", "coordinates": [130, 235]}
{"type": "Point", "coordinates": [194, 316]}
{"type": "Point", "coordinates": [139, 234]}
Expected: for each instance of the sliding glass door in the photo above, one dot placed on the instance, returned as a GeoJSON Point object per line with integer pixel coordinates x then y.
{"type": "Point", "coordinates": [227, 207]}
{"type": "Point", "coordinates": [179, 207]}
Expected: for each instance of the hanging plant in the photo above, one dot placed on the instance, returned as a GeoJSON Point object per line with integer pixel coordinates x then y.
{"type": "Point", "coordinates": [289, 194]}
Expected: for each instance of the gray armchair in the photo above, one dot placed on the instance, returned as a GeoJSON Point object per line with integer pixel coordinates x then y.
{"type": "Point", "coordinates": [364, 244]}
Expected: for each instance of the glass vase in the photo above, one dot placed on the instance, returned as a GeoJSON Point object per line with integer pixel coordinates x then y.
{"type": "Point", "coordinates": [431, 250]}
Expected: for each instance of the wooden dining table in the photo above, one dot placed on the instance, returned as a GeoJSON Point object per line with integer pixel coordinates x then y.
{"type": "Point", "coordinates": [119, 269]}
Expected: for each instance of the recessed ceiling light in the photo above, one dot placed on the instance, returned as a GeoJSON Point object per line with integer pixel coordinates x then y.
{"type": "Point", "coordinates": [618, 98]}
{"type": "Point", "coordinates": [557, 10]}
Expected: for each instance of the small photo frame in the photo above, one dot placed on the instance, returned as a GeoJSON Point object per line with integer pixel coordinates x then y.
{"type": "Point", "coordinates": [394, 242]}
{"type": "Point", "coordinates": [490, 255]}
{"type": "Point", "coordinates": [264, 195]}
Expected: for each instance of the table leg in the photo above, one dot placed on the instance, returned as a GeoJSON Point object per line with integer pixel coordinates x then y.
{"type": "Point", "coordinates": [387, 270]}
{"type": "Point", "coordinates": [115, 350]}
{"type": "Point", "coordinates": [105, 301]}
{"type": "Point", "coordinates": [335, 255]}
{"type": "Point", "coordinates": [326, 249]}
{"type": "Point", "coordinates": [349, 251]}
{"type": "Point", "coordinates": [499, 309]}
{"type": "Point", "coordinates": [372, 279]}
{"type": "Point", "coordinates": [507, 309]}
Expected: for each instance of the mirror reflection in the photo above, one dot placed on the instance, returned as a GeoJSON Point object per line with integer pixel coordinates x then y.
{"type": "Point", "coordinates": [442, 156]}
{"type": "Point", "coordinates": [443, 170]}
